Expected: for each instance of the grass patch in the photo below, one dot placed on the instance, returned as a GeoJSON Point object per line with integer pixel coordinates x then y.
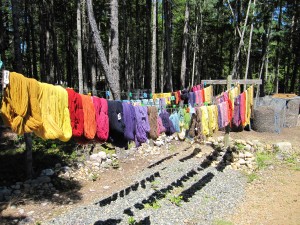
{"type": "Point", "coordinates": [240, 146]}
{"type": "Point", "coordinates": [176, 200]}
{"type": "Point", "coordinates": [155, 184]}
{"type": "Point", "coordinates": [131, 220]}
{"type": "Point", "coordinates": [153, 205]}
{"type": "Point", "coordinates": [222, 222]}
{"type": "Point", "coordinates": [264, 159]}
{"type": "Point", "coordinates": [251, 177]}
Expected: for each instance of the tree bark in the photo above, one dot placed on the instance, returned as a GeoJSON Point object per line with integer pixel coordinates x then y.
{"type": "Point", "coordinates": [18, 64]}
{"type": "Point", "coordinates": [276, 81]}
{"type": "Point", "coordinates": [79, 48]}
{"type": "Point", "coordinates": [195, 46]}
{"type": "Point", "coordinates": [168, 43]}
{"type": "Point", "coordinates": [235, 64]}
{"type": "Point", "coordinates": [114, 48]}
{"type": "Point", "coordinates": [153, 65]}
{"type": "Point", "coordinates": [249, 45]}
{"type": "Point", "coordinates": [185, 45]}
{"type": "Point", "coordinates": [113, 81]}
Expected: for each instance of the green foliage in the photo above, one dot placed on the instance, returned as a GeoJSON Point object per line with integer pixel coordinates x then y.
{"type": "Point", "coordinates": [152, 205]}
{"type": "Point", "coordinates": [264, 159]}
{"type": "Point", "coordinates": [251, 177]}
{"type": "Point", "coordinates": [240, 146]}
{"type": "Point", "coordinates": [155, 184]}
{"type": "Point", "coordinates": [115, 164]}
{"type": "Point", "coordinates": [176, 200]}
{"type": "Point", "coordinates": [222, 222]}
{"type": "Point", "coordinates": [131, 220]}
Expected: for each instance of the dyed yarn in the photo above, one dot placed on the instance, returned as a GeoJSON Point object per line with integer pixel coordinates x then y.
{"type": "Point", "coordinates": [129, 121]}
{"type": "Point", "coordinates": [164, 115]}
{"type": "Point", "coordinates": [142, 124]}
{"type": "Point", "coordinates": [116, 123]}
{"type": "Point", "coordinates": [89, 124]}
{"type": "Point", "coordinates": [20, 109]}
{"type": "Point", "coordinates": [160, 127]}
{"type": "Point", "coordinates": [102, 122]}
{"type": "Point", "coordinates": [53, 102]}
{"type": "Point", "coordinates": [152, 117]}
{"type": "Point", "coordinates": [175, 120]}
{"type": "Point", "coordinates": [76, 112]}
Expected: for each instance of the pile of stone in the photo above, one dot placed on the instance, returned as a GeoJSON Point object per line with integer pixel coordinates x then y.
{"type": "Point", "coordinates": [40, 186]}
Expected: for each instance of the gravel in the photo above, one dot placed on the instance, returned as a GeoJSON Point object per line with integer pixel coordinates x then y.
{"type": "Point", "coordinates": [207, 193]}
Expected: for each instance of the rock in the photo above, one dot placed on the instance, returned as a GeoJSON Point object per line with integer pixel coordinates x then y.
{"type": "Point", "coordinates": [248, 155]}
{"type": "Point", "coordinates": [44, 203]}
{"type": "Point", "coordinates": [220, 139]}
{"type": "Point", "coordinates": [158, 143]}
{"type": "Point", "coordinates": [26, 186]}
{"type": "Point", "coordinates": [5, 191]}
{"type": "Point", "coordinates": [13, 206]}
{"type": "Point", "coordinates": [242, 162]}
{"type": "Point", "coordinates": [106, 187]}
{"type": "Point", "coordinates": [280, 156]}
{"type": "Point", "coordinates": [108, 161]}
{"type": "Point", "coordinates": [95, 158]}
{"type": "Point", "coordinates": [56, 195]}
{"type": "Point", "coordinates": [17, 187]}
{"type": "Point", "coordinates": [21, 211]}
{"type": "Point", "coordinates": [47, 172]}
{"type": "Point", "coordinates": [96, 164]}
{"type": "Point", "coordinates": [43, 179]}
{"type": "Point", "coordinates": [283, 146]}
{"type": "Point", "coordinates": [57, 165]}
{"type": "Point", "coordinates": [241, 155]}
{"type": "Point", "coordinates": [17, 192]}
{"type": "Point", "coordinates": [247, 147]}
{"type": "Point", "coordinates": [30, 213]}
{"type": "Point", "coordinates": [211, 139]}
{"type": "Point", "coordinates": [65, 169]}
{"type": "Point", "coordinates": [7, 197]}
{"type": "Point", "coordinates": [114, 155]}
{"type": "Point", "coordinates": [269, 147]}
{"type": "Point", "coordinates": [255, 142]}
{"type": "Point", "coordinates": [250, 166]}
{"type": "Point", "coordinates": [250, 143]}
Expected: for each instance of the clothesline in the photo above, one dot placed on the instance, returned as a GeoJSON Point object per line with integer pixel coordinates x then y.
{"type": "Point", "coordinates": [53, 112]}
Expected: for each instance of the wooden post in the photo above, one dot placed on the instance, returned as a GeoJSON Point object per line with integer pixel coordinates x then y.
{"type": "Point", "coordinates": [28, 143]}
{"type": "Point", "coordinates": [227, 128]}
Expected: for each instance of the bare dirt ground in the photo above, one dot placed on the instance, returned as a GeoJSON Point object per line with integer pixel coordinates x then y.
{"type": "Point", "coordinates": [273, 198]}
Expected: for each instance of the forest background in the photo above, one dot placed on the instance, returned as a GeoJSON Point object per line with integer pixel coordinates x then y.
{"type": "Point", "coordinates": [163, 45]}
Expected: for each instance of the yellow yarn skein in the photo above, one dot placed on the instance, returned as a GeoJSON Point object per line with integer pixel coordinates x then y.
{"type": "Point", "coordinates": [53, 102]}
{"type": "Point", "coordinates": [19, 109]}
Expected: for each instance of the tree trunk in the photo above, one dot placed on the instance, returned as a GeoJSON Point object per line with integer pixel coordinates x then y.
{"type": "Point", "coordinates": [113, 81]}
{"type": "Point", "coordinates": [147, 80]}
{"type": "Point", "coordinates": [153, 65]}
{"type": "Point", "coordinates": [249, 45]}
{"type": "Point", "coordinates": [195, 40]}
{"type": "Point", "coordinates": [28, 143]}
{"type": "Point", "coordinates": [276, 81]}
{"type": "Point", "coordinates": [237, 56]}
{"type": "Point", "coordinates": [18, 64]}
{"type": "Point", "coordinates": [79, 48]}
{"type": "Point", "coordinates": [114, 47]}
{"type": "Point", "coordinates": [33, 43]}
{"type": "Point", "coordinates": [185, 45]}
{"type": "Point", "coordinates": [168, 42]}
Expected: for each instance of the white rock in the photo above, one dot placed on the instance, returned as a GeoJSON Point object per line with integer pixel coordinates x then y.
{"type": "Point", "coordinates": [248, 155]}
{"type": "Point", "coordinates": [283, 146]}
{"type": "Point", "coordinates": [220, 139]}
{"type": "Point", "coordinates": [47, 172]}
{"type": "Point", "coordinates": [242, 162]}
{"type": "Point", "coordinates": [102, 155]}
{"type": "Point", "coordinates": [241, 155]}
{"type": "Point", "coordinates": [250, 143]}
{"type": "Point", "coordinates": [30, 213]}
{"type": "Point", "coordinates": [21, 211]}
{"type": "Point", "coordinates": [114, 155]}
{"type": "Point", "coordinates": [95, 158]}
{"type": "Point", "coordinates": [158, 143]}
{"type": "Point", "coordinates": [247, 147]}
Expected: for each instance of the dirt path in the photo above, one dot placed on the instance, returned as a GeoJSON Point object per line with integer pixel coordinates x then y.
{"type": "Point", "coordinates": [272, 199]}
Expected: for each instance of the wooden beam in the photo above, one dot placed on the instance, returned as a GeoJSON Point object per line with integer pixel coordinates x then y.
{"type": "Point", "coordinates": [255, 81]}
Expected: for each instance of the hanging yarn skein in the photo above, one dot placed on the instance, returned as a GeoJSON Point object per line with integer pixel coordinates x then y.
{"type": "Point", "coordinates": [129, 121]}
{"type": "Point", "coordinates": [89, 121]}
{"type": "Point", "coordinates": [152, 117]}
{"type": "Point", "coordinates": [53, 102]}
{"type": "Point", "coordinates": [101, 110]}
{"type": "Point", "coordinates": [20, 109]}
{"type": "Point", "coordinates": [142, 124]}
